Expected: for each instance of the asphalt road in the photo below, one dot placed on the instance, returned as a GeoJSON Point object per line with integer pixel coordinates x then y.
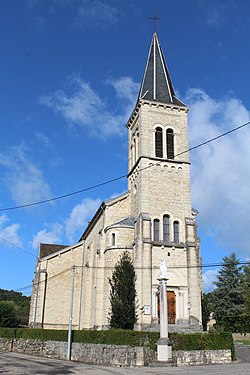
{"type": "Point", "coordinates": [20, 364]}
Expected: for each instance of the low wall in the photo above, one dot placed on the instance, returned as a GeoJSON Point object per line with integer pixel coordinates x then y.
{"type": "Point", "coordinates": [200, 357]}
{"type": "Point", "coordinates": [96, 354]}
{"type": "Point", "coordinates": [111, 355]}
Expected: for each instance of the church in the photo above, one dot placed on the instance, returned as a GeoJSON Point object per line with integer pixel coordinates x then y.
{"type": "Point", "coordinates": [152, 221]}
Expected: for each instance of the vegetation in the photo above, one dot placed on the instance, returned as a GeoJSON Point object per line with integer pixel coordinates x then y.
{"type": "Point", "coordinates": [14, 308]}
{"type": "Point", "coordinates": [229, 294]}
{"type": "Point", "coordinates": [7, 314]}
{"type": "Point", "coordinates": [207, 308]}
{"type": "Point", "coordinates": [230, 301]}
{"type": "Point", "coordinates": [122, 294]}
{"type": "Point", "coordinates": [195, 341]}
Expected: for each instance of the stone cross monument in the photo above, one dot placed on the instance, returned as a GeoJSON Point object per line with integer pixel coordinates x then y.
{"type": "Point", "coordinates": [164, 344]}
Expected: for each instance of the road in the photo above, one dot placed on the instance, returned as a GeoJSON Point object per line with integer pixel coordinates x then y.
{"type": "Point", "coordinates": [20, 364]}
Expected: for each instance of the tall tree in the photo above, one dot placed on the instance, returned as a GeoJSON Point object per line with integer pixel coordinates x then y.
{"type": "Point", "coordinates": [123, 294]}
{"type": "Point", "coordinates": [246, 281]}
{"type": "Point", "coordinates": [229, 296]}
{"type": "Point", "coordinates": [207, 308]}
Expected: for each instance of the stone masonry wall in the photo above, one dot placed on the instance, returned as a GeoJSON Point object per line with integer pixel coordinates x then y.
{"type": "Point", "coordinates": [111, 355]}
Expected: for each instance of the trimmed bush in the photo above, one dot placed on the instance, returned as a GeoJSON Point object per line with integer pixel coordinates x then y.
{"type": "Point", "coordinates": [195, 341]}
{"type": "Point", "coordinates": [8, 333]}
{"type": "Point", "coordinates": [42, 334]}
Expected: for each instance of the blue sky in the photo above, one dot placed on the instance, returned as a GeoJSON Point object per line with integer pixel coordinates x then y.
{"type": "Point", "coordinates": [70, 72]}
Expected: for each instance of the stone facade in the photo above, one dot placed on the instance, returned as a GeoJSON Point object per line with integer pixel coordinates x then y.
{"type": "Point", "coordinates": [154, 220]}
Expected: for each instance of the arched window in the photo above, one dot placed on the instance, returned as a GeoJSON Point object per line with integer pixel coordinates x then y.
{"type": "Point", "coordinates": [166, 234]}
{"type": "Point", "coordinates": [158, 142]}
{"type": "Point", "coordinates": [170, 144]}
{"type": "Point", "coordinates": [135, 151]}
{"type": "Point", "coordinates": [156, 227]}
{"type": "Point", "coordinates": [113, 239]}
{"type": "Point", "coordinates": [176, 232]}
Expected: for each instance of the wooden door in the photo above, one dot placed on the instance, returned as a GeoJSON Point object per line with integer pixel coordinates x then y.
{"type": "Point", "coordinates": [171, 298]}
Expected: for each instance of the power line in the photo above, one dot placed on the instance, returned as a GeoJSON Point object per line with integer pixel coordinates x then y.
{"type": "Point", "coordinates": [17, 247]}
{"type": "Point", "coordinates": [120, 177]}
{"type": "Point", "coordinates": [209, 265]}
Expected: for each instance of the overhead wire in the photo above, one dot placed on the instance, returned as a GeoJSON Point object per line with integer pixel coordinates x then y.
{"type": "Point", "coordinates": [240, 263]}
{"type": "Point", "coordinates": [120, 177]}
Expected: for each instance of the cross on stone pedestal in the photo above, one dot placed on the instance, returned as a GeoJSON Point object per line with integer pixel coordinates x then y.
{"type": "Point", "coordinates": [164, 344]}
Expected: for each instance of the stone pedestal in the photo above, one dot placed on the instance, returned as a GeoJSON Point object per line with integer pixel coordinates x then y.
{"type": "Point", "coordinates": [164, 345]}
{"type": "Point", "coordinates": [164, 349]}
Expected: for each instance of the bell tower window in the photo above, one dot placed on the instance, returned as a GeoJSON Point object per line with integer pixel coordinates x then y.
{"type": "Point", "coordinates": [158, 143]}
{"type": "Point", "coordinates": [166, 233]}
{"type": "Point", "coordinates": [156, 227]}
{"type": "Point", "coordinates": [170, 144]}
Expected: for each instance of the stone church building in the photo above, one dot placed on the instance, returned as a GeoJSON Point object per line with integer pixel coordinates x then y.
{"type": "Point", "coordinates": [153, 221]}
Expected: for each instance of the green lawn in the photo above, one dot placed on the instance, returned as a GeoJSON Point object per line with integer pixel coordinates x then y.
{"type": "Point", "coordinates": [245, 342]}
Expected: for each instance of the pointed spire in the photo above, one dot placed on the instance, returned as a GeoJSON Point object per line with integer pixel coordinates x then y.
{"type": "Point", "coordinates": [156, 84]}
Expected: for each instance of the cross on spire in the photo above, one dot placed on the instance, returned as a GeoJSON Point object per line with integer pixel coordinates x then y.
{"type": "Point", "coordinates": [155, 18]}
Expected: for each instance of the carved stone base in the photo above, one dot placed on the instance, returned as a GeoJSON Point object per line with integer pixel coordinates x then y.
{"type": "Point", "coordinates": [164, 349]}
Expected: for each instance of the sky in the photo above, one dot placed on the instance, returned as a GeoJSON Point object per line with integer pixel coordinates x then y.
{"type": "Point", "coordinates": [69, 77]}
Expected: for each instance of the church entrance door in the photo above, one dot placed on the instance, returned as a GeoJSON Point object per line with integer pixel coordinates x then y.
{"type": "Point", "coordinates": [171, 298]}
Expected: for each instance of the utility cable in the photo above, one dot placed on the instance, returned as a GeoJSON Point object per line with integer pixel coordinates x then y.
{"type": "Point", "coordinates": [120, 177]}
{"type": "Point", "coordinates": [240, 263]}
{"type": "Point", "coordinates": [17, 247]}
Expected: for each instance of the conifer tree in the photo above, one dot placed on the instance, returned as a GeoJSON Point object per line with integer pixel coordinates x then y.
{"type": "Point", "coordinates": [229, 296]}
{"type": "Point", "coordinates": [122, 294]}
{"type": "Point", "coordinates": [246, 281]}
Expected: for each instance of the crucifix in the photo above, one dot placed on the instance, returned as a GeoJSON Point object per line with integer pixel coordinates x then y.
{"type": "Point", "coordinates": [155, 18]}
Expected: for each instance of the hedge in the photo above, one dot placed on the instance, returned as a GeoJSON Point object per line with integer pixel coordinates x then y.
{"type": "Point", "coordinates": [195, 341]}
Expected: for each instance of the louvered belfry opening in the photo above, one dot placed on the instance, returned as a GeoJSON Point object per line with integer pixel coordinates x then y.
{"type": "Point", "coordinates": [158, 143]}
{"type": "Point", "coordinates": [170, 144]}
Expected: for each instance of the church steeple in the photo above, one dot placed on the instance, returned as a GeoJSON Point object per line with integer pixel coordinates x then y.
{"type": "Point", "coordinates": [157, 84]}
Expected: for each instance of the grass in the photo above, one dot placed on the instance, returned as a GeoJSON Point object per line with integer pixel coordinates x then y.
{"type": "Point", "coordinates": [245, 342]}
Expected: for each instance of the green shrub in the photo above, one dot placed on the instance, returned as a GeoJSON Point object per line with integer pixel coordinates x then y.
{"type": "Point", "coordinates": [42, 334]}
{"type": "Point", "coordinates": [8, 333]}
{"type": "Point", "coordinates": [193, 341]}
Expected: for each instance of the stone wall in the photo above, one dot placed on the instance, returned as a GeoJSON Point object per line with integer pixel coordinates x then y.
{"type": "Point", "coordinates": [200, 357]}
{"type": "Point", "coordinates": [111, 355]}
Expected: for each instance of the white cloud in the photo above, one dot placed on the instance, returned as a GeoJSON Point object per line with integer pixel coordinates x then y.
{"type": "Point", "coordinates": [9, 233]}
{"type": "Point", "coordinates": [24, 180]}
{"type": "Point", "coordinates": [79, 217]}
{"type": "Point", "coordinates": [208, 279]}
{"type": "Point", "coordinates": [96, 13]}
{"type": "Point", "coordinates": [220, 170]}
{"type": "Point", "coordinates": [82, 106]}
{"type": "Point", "coordinates": [52, 235]}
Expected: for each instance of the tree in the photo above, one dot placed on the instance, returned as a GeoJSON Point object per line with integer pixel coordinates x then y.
{"type": "Point", "coordinates": [246, 281]}
{"type": "Point", "coordinates": [229, 295]}
{"type": "Point", "coordinates": [122, 294]}
{"type": "Point", "coordinates": [207, 308]}
{"type": "Point", "coordinates": [21, 303]}
{"type": "Point", "coordinates": [8, 314]}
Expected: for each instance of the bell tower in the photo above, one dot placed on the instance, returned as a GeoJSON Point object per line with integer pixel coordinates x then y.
{"type": "Point", "coordinates": [160, 196]}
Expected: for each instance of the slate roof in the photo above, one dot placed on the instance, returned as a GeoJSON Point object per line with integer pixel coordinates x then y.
{"type": "Point", "coordinates": [48, 249]}
{"type": "Point", "coordinates": [157, 84]}
{"type": "Point", "coordinates": [126, 222]}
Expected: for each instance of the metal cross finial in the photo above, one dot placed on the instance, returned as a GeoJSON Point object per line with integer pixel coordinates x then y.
{"type": "Point", "coordinates": [155, 18]}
